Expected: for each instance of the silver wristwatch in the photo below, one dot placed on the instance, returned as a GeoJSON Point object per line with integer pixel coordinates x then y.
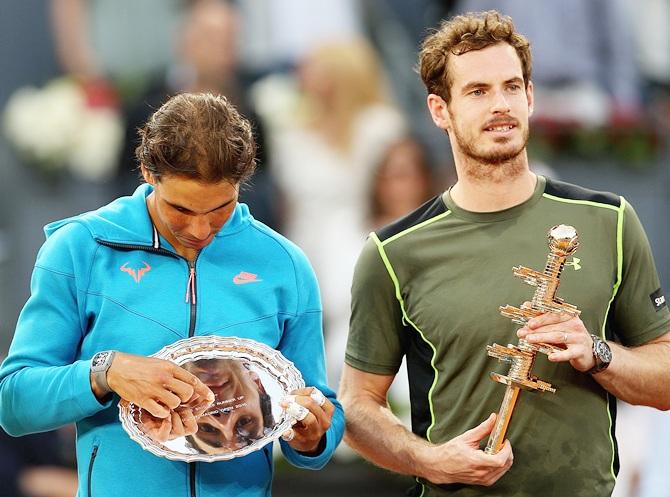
{"type": "Point", "coordinates": [99, 366]}
{"type": "Point", "coordinates": [601, 353]}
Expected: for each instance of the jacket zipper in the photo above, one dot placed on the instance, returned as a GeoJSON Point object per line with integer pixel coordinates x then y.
{"type": "Point", "coordinates": [190, 292]}
{"type": "Point", "coordinates": [90, 468]}
{"type": "Point", "coordinates": [191, 289]}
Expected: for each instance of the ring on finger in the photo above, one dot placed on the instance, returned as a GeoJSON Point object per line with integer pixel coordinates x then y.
{"type": "Point", "coordinates": [565, 337]}
{"type": "Point", "coordinates": [288, 435]}
{"type": "Point", "coordinates": [318, 397]}
{"type": "Point", "coordinates": [296, 411]}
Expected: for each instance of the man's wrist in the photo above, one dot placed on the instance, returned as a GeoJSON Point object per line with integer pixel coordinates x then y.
{"type": "Point", "coordinates": [602, 355]}
{"type": "Point", "coordinates": [100, 364]}
{"type": "Point", "coordinates": [422, 457]}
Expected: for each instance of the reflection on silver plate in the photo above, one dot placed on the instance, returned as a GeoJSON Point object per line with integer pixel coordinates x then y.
{"type": "Point", "coordinates": [248, 379]}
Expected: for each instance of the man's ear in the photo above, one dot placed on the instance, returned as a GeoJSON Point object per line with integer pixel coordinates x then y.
{"type": "Point", "coordinates": [148, 177]}
{"type": "Point", "coordinates": [439, 111]}
{"type": "Point", "coordinates": [531, 98]}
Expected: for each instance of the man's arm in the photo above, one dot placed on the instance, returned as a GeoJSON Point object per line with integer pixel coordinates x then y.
{"type": "Point", "coordinates": [640, 375]}
{"type": "Point", "coordinates": [319, 434]}
{"type": "Point", "coordinates": [637, 375]}
{"type": "Point", "coordinates": [375, 433]}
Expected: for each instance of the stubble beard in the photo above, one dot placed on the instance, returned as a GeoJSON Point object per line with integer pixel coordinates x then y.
{"type": "Point", "coordinates": [496, 166]}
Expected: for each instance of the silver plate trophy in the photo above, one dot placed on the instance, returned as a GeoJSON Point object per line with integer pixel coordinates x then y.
{"type": "Point", "coordinates": [248, 379]}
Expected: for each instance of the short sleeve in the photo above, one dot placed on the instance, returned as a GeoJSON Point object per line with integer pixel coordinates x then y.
{"type": "Point", "coordinates": [377, 335]}
{"type": "Point", "coordinates": [640, 311]}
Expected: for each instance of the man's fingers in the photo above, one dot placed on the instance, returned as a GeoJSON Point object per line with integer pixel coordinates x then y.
{"type": "Point", "coordinates": [481, 430]}
{"type": "Point", "coordinates": [155, 409]}
{"type": "Point", "coordinates": [188, 421]}
{"type": "Point", "coordinates": [185, 391]}
{"type": "Point", "coordinates": [198, 386]}
{"type": "Point", "coordinates": [177, 425]}
{"type": "Point", "coordinates": [548, 318]}
{"type": "Point", "coordinates": [167, 398]}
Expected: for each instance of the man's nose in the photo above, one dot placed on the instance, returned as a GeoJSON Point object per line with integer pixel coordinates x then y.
{"type": "Point", "coordinates": [200, 228]}
{"type": "Point", "coordinates": [500, 103]}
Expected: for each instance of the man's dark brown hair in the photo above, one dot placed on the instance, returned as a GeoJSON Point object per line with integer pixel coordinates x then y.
{"type": "Point", "coordinates": [198, 136]}
{"type": "Point", "coordinates": [461, 34]}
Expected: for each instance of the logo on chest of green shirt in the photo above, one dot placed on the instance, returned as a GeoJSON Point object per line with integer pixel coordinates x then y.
{"type": "Point", "coordinates": [575, 263]}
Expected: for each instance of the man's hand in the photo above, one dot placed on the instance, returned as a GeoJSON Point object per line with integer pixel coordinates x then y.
{"type": "Point", "coordinates": [156, 385]}
{"type": "Point", "coordinates": [180, 423]}
{"type": "Point", "coordinates": [309, 431]}
{"type": "Point", "coordinates": [566, 332]}
{"type": "Point", "coordinates": [460, 460]}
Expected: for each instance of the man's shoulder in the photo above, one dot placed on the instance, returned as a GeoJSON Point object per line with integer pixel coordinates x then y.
{"type": "Point", "coordinates": [432, 209]}
{"type": "Point", "coordinates": [570, 192]}
{"type": "Point", "coordinates": [271, 244]}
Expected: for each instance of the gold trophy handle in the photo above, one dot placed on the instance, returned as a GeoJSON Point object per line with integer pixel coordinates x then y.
{"type": "Point", "coordinates": [497, 437]}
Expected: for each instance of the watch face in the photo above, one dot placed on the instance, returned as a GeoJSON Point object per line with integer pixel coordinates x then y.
{"type": "Point", "coordinates": [603, 351]}
{"type": "Point", "coordinates": [99, 359]}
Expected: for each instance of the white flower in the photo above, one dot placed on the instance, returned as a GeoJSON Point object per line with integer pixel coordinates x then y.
{"type": "Point", "coordinates": [95, 152]}
{"type": "Point", "coordinates": [55, 128]}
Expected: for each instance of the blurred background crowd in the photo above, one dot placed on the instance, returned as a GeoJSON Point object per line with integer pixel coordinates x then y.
{"type": "Point", "coordinates": [345, 146]}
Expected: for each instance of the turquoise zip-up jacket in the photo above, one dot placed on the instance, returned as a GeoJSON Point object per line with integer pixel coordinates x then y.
{"type": "Point", "coordinates": [107, 280]}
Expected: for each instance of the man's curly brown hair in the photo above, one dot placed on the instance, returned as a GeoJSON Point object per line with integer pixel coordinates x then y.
{"type": "Point", "coordinates": [461, 34]}
{"type": "Point", "coordinates": [199, 136]}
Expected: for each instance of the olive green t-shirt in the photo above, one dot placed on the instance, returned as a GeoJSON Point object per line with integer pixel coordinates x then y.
{"type": "Point", "coordinates": [428, 288]}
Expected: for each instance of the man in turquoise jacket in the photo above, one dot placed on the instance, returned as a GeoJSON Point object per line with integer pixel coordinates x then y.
{"type": "Point", "coordinates": [179, 258]}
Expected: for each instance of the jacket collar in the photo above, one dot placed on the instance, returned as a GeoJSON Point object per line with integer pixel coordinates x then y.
{"type": "Point", "coordinates": [126, 221]}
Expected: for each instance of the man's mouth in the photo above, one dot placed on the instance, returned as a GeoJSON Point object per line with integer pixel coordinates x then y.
{"type": "Point", "coordinates": [500, 128]}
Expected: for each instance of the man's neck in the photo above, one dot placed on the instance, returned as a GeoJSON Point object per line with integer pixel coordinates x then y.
{"type": "Point", "coordinates": [490, 196]}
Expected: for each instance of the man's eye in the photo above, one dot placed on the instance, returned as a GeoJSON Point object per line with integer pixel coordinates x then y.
{"type": "Point", "coordinates": [244, 426]}
{"type": "Point", "coordinates": [477, 93]}
{"type": "Point", "coordinates": [207, 428]}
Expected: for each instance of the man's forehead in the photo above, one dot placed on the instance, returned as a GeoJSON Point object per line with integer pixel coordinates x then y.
{"type": "Point", "coordinates": [495, 63]}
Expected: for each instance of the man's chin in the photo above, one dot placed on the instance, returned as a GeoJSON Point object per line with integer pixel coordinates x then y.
{"type": "Point", "coordinates": [499, 156]}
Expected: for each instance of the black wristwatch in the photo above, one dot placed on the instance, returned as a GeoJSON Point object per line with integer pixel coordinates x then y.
{"type": "Point", "coordinates": [99, 366]}
{"type": "Point", "coordinates": [601, 353]}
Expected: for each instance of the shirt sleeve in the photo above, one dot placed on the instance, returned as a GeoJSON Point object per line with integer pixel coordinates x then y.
{"type": "Point", "coordinates": [302, 343]}
{"type": "Point", "coordinates": [42, 384]}
{"type": "Point", "coordinates": [377, 335]}
{"type": "Point", "coordinates": [640, 312]}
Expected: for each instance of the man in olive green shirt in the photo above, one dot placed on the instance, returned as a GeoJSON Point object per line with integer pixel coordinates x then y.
{"type": "Point", "coordinates": [428, 288]}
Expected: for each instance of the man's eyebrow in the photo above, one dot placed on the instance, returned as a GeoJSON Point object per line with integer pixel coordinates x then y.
{"type": "Point", "coordinates": [186, 209]}
{"type": "Point", "coordinates": [480, 84]}
{"type": "Point", "coordinates": [475, 84]}
{"type": "Point", "coordinates": [516, 79]}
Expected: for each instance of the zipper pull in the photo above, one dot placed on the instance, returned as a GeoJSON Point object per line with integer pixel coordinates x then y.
{"type": "Point", "coordinates": [190, 285]}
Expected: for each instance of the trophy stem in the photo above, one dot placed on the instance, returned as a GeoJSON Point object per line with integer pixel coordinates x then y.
{"type": "Point", "coordinates": [497, 437]}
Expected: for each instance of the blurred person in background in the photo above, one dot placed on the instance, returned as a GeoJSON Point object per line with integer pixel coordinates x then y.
{"type": "Point", "coordinates": [402, 182]}
{"type": "Point", "coordinates": [278, 35]}
{"type": "Point", "coordinates": [180, 257]}
{"type": "Point", "coordinates": [323, 153]}
{"type": "Point", "coordinates": [206, 59]}
{"type": "Point", "coordinates": [652, 42]}
{"type": "Point", "coordinates": [422, 286]}
{"type": "Point", "coordinates": [108, 43]}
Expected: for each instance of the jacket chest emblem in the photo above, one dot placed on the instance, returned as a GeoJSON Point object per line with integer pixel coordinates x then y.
{"type": "Point", "coordinates": [244, 278]}
{"type": "Point", "coordinates": [136, 274]}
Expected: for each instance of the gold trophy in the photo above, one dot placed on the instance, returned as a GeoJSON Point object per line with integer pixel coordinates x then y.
{"type": "Point", "coordinates": [563, 242]}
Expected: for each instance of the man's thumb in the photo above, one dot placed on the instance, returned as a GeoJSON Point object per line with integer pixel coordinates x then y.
{"type": "Point", "coordinates": [482, 430]}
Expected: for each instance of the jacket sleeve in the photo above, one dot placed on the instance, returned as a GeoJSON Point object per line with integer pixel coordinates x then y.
{"type": "Point", "coordinates": [302, 343]}
{"type": "Point", "coordinates": [43, 382]}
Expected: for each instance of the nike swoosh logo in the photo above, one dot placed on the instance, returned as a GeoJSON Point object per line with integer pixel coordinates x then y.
{"type": "Point", "coordinates": [244, 278]}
